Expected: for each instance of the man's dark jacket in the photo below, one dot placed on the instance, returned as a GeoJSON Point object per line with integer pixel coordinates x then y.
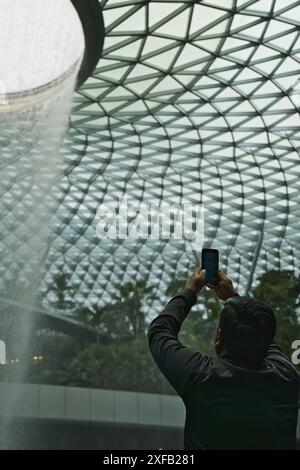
{"type": "Point", "coordinates": [227, 406]}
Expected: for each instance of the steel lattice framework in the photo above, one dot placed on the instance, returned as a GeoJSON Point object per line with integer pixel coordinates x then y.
{"type": "Point", "coordinates": [193, 100]}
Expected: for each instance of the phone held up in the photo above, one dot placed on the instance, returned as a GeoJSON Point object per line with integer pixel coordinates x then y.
{"type": "Point", "coordinates": [210, 262]}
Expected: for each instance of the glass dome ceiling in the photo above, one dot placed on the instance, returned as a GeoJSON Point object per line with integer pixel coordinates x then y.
{"type": "Point", "coordinates": [195, 101]}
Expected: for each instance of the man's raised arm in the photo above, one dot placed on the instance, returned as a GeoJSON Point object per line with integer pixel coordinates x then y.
{"type": "Point", "coordinates": [176, 361]}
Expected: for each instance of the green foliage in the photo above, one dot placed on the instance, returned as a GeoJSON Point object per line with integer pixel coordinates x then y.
{"type": "Point", "coordinates": [280, 290]}
{"type": "Point", "coordinates": [131, 297]}
{"type": "Point", "coordinates": [61, 288]}
{"type": "Point", "coordinates": [120, 358]}
{"type": "Point", "coordinates": [120, 366]}
{"type": "Point", "coordinates": [125, 317]}
{"type": "Point", "coordinates": [176, 285]}
{"type": "Point", "coordinates": [57, 352]}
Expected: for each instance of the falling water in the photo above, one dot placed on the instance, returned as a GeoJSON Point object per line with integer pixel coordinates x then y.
{"type": "Point", "coordinates": [31, 133]}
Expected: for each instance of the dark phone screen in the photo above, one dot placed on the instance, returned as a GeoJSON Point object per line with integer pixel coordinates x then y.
{"type": "Point", "coordinates": [210, 262]}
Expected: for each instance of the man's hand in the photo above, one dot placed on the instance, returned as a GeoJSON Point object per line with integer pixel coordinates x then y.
{"type": "Point", "coordinates": [197, 281]}
{"type": "Point", "coordinates": [224, 289]}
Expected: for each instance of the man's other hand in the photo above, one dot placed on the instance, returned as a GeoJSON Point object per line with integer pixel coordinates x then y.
{"type": "Point", "coordinates": [197, 281]}
{"type": "Point", "coordinates": [224, 289]}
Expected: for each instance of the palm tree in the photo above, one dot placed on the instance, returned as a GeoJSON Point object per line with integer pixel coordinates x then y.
{"type": "Point", "coordinates": [122, 319]}
{"type": "Point", "coordinates": [62, 290]}
{"type": "Point", "coordinates": [131, 297]}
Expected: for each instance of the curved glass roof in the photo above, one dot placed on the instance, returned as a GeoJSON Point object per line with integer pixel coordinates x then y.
{"type": "Point", "coordinates": [194, 101]}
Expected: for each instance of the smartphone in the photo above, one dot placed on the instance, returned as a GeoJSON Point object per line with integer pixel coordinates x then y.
{"type": "Point", "coordinates": [210, 262]}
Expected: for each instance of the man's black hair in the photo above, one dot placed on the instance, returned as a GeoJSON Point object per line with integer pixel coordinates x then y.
{"type": "Point", "coordinates": [248, 327]}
